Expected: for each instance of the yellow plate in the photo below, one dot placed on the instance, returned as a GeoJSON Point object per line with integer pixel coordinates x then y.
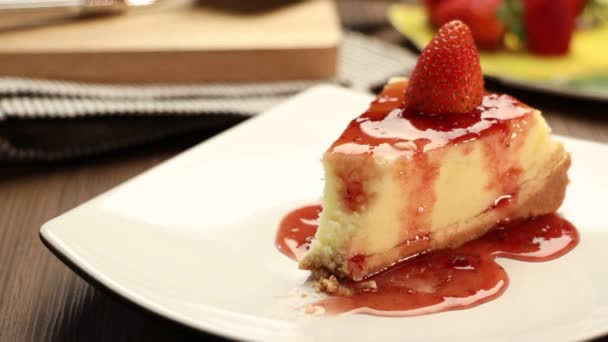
{"type": "Point", "coordinates": [587, 59]}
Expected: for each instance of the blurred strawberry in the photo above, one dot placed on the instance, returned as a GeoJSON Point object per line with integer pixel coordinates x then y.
{"type": "Point", "coordinates": [549, 26]}
{"type": "Point", "coordinates": [480, 15]}
{"type": "Point", "coordinates": [431, 9]}
{"type": "Point", "coordinates": [577, 6]}
{"type": "Point", "coordinates": [449, 10]}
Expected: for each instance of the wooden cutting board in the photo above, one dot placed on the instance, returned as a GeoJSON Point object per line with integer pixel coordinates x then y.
{"type": "Point", "coordinates": [193, 42]}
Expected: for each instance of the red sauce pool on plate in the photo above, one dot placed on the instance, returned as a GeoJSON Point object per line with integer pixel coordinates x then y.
{"type": "Point", "coordinates": [297, 230]}
{"type": "Point", "coordinates": [440, 280]}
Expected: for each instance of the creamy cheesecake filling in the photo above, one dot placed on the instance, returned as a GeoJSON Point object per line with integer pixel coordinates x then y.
{"type": "Point", "coordinates": [387, 197]}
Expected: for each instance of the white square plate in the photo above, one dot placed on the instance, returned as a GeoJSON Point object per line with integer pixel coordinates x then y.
{"type": "Point", "coordinates": [193, 240]}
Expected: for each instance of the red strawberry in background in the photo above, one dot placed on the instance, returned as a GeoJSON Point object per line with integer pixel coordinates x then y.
{"type": "Point", "coordinates": [449, 10]}
{"type": "Point", "coordinates": [577, 6]}
{"type": "Point", "coordinates": [549, 25]}
{"type": "Point", "coordinates": [480, 15]}
{"type": "Point", "coordinates": [431, 8]}
{"type": "Point", "coordinates": [447, 77]}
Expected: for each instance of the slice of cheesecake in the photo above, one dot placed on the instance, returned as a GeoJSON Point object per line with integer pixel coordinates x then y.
{"type": "Point", "coordinates": [400, 182]}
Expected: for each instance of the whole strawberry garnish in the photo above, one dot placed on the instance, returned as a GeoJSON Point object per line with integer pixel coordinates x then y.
{"type": "Point", "coordinates": [549, 25]}
{"type": "Point", "coordinates": [447, 77]}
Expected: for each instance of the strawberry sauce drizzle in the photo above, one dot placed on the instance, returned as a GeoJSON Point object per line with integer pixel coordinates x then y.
{"type": "Point", "coordinates": [441, 280]}
{"type": "Point", "coordinates": [382, 129]}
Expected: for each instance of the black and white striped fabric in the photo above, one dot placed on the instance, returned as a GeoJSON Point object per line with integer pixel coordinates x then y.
{"type": "Point", "coordinates": [38, 117]}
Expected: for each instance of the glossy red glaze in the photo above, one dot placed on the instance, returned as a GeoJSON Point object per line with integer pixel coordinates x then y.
{"type": "Point", "coordinates": [387, 122]}
{"type": "Point", "coordinates": [443, 280]}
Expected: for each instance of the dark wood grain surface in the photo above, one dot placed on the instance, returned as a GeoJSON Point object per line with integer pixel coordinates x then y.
{"type": "Point", "coordinates": [43, 300]}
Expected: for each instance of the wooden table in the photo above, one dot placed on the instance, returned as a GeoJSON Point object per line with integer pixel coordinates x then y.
{"type": "Point", "coordinates": [43, 300]}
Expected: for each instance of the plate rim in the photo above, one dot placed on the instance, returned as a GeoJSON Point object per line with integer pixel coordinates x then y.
{"type": "Point", "coordinates": [112, 293]}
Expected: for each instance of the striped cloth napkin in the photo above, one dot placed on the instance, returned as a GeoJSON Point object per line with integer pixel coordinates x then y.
{"type": "Point", "coordinates": [43, 120]}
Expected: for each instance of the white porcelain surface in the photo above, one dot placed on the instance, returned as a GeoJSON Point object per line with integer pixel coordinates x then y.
{"type": "Point", "coordinates": [192, 240]}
